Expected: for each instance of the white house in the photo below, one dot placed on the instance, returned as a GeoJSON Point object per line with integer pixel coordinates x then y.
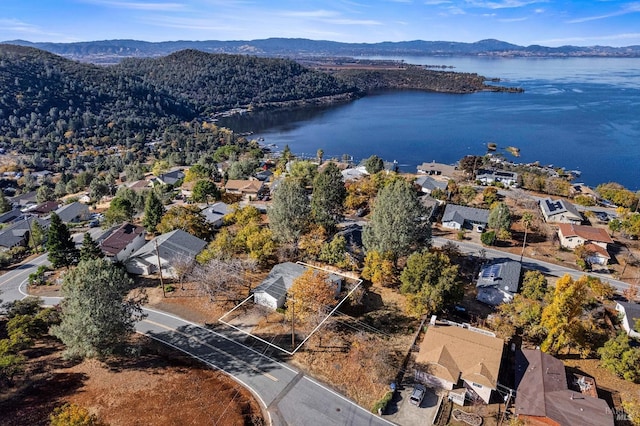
{"type": "Point", "coordinates": [123, 242]}
{"type": "Point", "coordinates": [428, 184]}
{"type": "Point", "coordinates": [559, 211]}
{"type": "Point", "coordinates": [630, 314]}
{"type": "Point", "coordinates": [594, 239]}
{"type": "Point", "coordinates": [488, 177]}
{"type": "Point", "coordinates": [164, 250]}
{"type": "Point", "coordinates": [272, 291]}
{"type": "Point", "coordinates": [459, 217]}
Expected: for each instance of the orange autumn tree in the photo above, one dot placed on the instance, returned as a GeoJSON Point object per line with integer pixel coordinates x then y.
{"type": "Point", "coordinates": [309, 294]}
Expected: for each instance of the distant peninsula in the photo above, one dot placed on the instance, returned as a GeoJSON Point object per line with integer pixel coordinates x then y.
{"type": "Point", "coordinates": [113, 51]}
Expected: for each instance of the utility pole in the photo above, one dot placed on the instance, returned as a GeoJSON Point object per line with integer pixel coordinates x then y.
{"type": "Point", "coordinates": [164, 292]}
{"type": "Point", "coordinates": [293, 333]}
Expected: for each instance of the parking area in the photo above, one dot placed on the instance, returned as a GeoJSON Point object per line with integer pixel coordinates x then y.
{"type": "Point", "coordinates": [400, 411]}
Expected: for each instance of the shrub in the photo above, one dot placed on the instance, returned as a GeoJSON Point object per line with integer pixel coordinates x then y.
{"type": "Point", "coordinates": [73, 415]}
{"type": "Point", "coordinates": [488, 238]}
{"type": "Point", "coordinates": [169, 288]}
{"type": "Point", "coordinates": [382, 403]}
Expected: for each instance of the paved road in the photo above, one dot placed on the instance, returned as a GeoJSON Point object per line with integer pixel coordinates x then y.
{"type": "Point", "coordinates": [289, 396]}
{"type": "Point", "coordinates": [527, 262]}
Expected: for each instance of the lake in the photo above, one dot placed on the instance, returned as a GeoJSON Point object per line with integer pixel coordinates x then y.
{"type": "Point", "coordinates": [577, 113]}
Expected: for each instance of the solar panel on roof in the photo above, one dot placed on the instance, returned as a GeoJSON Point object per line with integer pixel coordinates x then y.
{"type": "Point", "coordinates": [491, 271]}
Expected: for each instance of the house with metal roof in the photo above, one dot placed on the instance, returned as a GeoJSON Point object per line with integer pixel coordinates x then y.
{"type": "Point", "coordinates": [463, 217]}
{"type": "Point", "coordinates": [123, 241]}
{"type": "Point", "coordinates": [272, 291]}
{"type": "Point", "coordinates": [498, 281]}
{"type": "Point", "coordinates": [454, 355]}
{"type": "Point", "coordinates": [559, 211]}
{"type": "Point", "coordinates": [543, 396]}
{"type": "Point", "coordinates": [163, 251]}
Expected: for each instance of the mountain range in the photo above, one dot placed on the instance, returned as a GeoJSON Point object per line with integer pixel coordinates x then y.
{"type": "Point", "coordinates": [112, 51]}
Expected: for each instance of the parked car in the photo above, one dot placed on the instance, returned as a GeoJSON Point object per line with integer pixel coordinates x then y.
{"type": "Point", "coordinates": [417, 395]}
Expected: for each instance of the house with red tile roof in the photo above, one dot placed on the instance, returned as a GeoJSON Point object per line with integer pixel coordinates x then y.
{"type": "Point", "coordinates": [595, 240]}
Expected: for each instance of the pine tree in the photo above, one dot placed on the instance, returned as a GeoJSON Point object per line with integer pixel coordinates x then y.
{"type": "Point", "coordinates": [90, 249]}
{"type": "Point", "coordinates": [96, 319]}
{"type": "Point", "coordinates": [396, 222]}
{"type": "Point", "coordinates": [327, 200]}
{"type": "Point", "coordinates": [153, 211]}
{"type": "Point", "coordinates": [62, 250]}
{"type": "Point", "coordinates": [5, 205]}
{"type": "Point", "coordinates": [289, 212]}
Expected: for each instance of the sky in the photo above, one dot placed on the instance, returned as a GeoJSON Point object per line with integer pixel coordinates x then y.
{"type": "Point", "coordinates": [523, 22]}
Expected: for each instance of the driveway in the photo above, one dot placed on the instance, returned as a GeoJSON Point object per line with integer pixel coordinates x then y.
{"type": "Point", "coordinates": [400, 411]}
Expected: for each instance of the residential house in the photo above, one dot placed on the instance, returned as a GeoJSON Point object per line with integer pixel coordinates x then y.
{"type": "Point", "coordinates": [123, 241]}
{"type": "Point", "coordinates": [165, 249]}
{"type": "Point", "coordinates": [462, 217]}
{"type": "Point", "coordinates": [23, 201]}
{"type": "Point", "coordinates": [10, 216]}
{"type": "Point", "coordinates": [630, 315]}
{"type": "Point", "coordinates": [438, 169]}
{"type": "Point", "coordinates": [169, 178]}
{"type": "Point", "coordinates": [427, 184]}
{"type": "Point", "coordinates": [45, 208]}
{"type": "Point", "coordinates": [215, 213]}
{"type": "Point", "coordinates": [432, 205]}
{"type": "Point", "coordinates": [354, 173]}
{"type": "Point", "coordinates": [272, 291]}
{"type": "Point", "coordinates": [17, 234]}
{"type": "Point", "coordinates": [560, 211]}
{"type": "Point", "coordinates": [264, 175]}
{"type": "Point", "coordinates": [74, 212]}
{"type": "Point", "coordinates": [139, 185]}
{"type": "Point", "coordinates": [489, 177]}
{"type": "Point", "coordinates": [543, 396]}
{"type": "Point", "coordinates": [498, 281]}
{"type": "Point", "coordinates": [248, 189]}
{"type": "Point", "coordinates": [594, 239]}
{"type": "Point", "coordinates": [453, 355]}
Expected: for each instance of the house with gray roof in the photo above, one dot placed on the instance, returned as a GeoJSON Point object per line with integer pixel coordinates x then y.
{"type": "Point", "coordinates": [10, 216]}
{"type": "Point", "coordinates": [629, 315]}
{"type": "Point", "coordinates": [462, 217]}
{"type": "Point", "coordinates": [498, 281]}
{"type": "Point", "coordinates": [427, 184]}
{"type": "Point", "coordinates": [215, 213]}
{"type": "Point", "coordinates": [17, 234]}
{"type": "Point", "coordinates": [272, 291]}
{"type": "Point", "coordinates": [543, 396]}
{"type": "Point", "coordinates": [169, 178]}
{"type": "Point", "coordinates": [164, 250]}
{"type": "Point", "coordinates": [123, 242]}
{"type": "Point", "coordinates": [74, 212]}
{"type": "Point", "coordinates": [560, 211]}
{"type": "Point", "coordinates": [489, 177]}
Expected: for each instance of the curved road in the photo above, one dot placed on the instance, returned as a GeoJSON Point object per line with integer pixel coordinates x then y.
{"type": "Point", "coordinates": [289, 396]}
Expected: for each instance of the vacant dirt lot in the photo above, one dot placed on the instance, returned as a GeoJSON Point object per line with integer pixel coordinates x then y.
{"type": "Point", "coordinates": [160, 387]}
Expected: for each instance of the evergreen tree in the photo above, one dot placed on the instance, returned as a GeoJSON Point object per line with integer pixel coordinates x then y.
{"type": "Point", "coordinates": [205, 190]}
{"type": "Point", "coordinates": [373, 164]}
{"type": "Point", "coordinates": [500, 217]}
{"type": "Point", "coordinates": [153, 211]}
{"type": "Point", "coordinates": [329, 194]}
{"type": "Point", "coordinates": [37, 235]}
{"type": "Point", "coordinates": [289, 212]}
{"type": "Point", "coordinates": [62, 250]}
{"type": "Point", "coordinates": [120, 210]}
{"type": "Point", "coordinates": [5, 205]}
{"type": "Point", "coordinates": [90, 249]}
{"type": "Point", "coordinates": [96, 319]}
{"type": "Point", "coordinates": [396, 222]}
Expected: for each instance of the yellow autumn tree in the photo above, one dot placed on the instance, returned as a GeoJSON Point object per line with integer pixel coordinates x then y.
{"type": "Point", "coordinates": [309, 294]}
{"type": "Point", "coordinates": [379, 268]}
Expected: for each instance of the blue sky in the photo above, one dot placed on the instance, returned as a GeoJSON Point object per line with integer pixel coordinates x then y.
{"type": "Point", "coordinates": [524, 22]}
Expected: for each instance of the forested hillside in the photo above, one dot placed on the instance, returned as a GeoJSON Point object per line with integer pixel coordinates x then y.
{"type": "Point", "coordinates": [47, 100]}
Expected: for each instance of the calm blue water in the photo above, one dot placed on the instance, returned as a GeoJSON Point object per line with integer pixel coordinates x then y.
{"type": "Point", "coordinates": [578, 113]}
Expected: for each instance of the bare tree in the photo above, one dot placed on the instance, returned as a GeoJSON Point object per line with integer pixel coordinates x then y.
{"type": "Point", "coordinates": [225, 280]}
{"type": "Point", "coordinates": [182, 267]}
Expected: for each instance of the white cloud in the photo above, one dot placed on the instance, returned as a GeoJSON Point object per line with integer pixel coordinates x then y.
{"type": "Point", "coordinates": [512, 19]}
{"type": "Point", "coordinates": [9, 25]}
{"type": "Point", "coordinates": [436, 2]}
{"type": "Point", "coordinates": [310, 14]}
